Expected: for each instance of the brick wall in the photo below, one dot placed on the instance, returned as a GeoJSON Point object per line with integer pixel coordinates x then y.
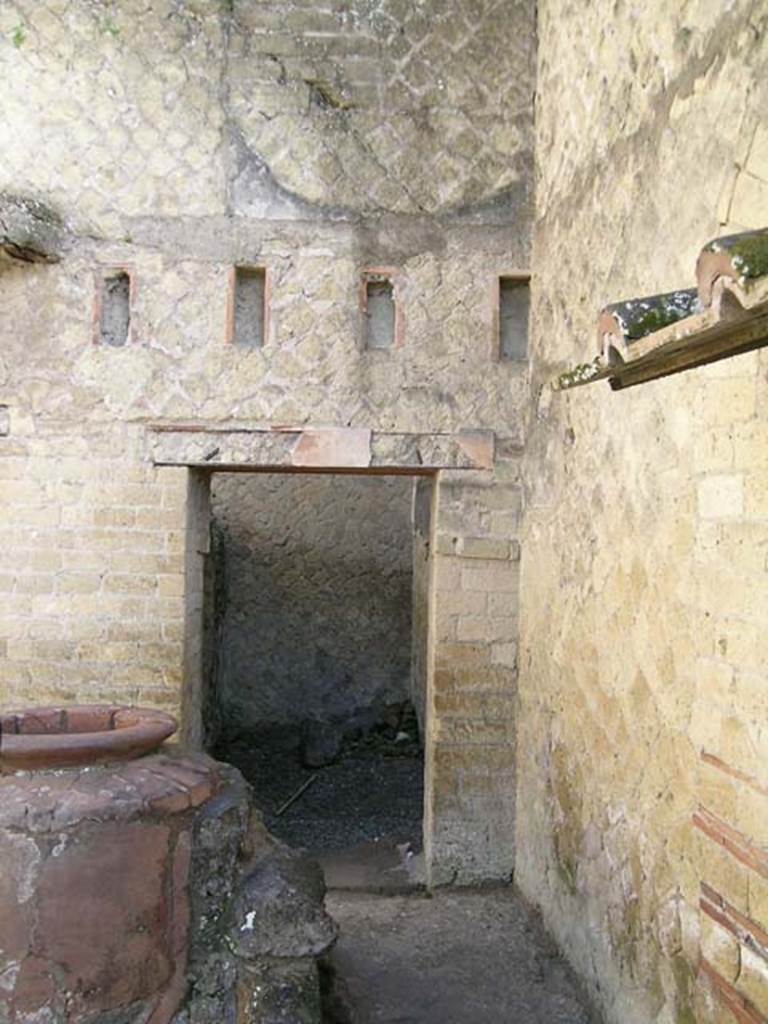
{"type": "Point", "coordinates": [92, 569]}
{"type": "Point", "coordinates": [471, 784]}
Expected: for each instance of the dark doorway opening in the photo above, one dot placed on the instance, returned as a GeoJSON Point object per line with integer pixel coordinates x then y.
{"type": "Point", "coordinates": [315, 659]}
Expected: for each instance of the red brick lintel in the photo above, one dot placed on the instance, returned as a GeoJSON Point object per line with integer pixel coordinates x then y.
{"type": "Point", "coordinates": [743, 1011]}
{"type": "Point", "coordinates": [735, 842]}
{"type": "Point", "coordinates": [748, 932]}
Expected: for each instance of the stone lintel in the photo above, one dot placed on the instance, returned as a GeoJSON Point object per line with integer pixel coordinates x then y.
{"type": "Point", "coordinates": [329, 449]}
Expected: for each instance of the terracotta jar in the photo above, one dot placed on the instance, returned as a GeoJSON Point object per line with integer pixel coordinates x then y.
{"type": "Point", "coordinates": [140, 886]}
{"type": "Point", "coordinates": [81, 735]}
{"type": "Point", "coordinates": [95, 851]}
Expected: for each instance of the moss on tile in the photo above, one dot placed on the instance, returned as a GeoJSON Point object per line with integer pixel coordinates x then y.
{"type": "Point", "coordinates": [748, 252]}
{"type": "Point", "coordinates": [641, 317]}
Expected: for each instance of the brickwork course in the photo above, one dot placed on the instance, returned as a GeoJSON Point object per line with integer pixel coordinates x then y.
{"type": "Point", "coordinates": [593, 660]}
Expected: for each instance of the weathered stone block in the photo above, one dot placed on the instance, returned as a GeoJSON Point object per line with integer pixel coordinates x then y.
{"type": "Point", "coordinates": [30, 232]}
{"type": "Point", "coordinates": [721, 949]}
{"type": "Point", "coordinates": [495, 578]}
{"type": "Point", "coordinates": [749, 205]}
{"type": "Point", "coordinates": [282, 991]}
{"type": "Point", "coordinates": [505, 654]}
{"type": "Point", "coordinates": [278, 910]}
{"type": "Point", "coordinates": [721, 497]}
{"type": "Point", "coordinates": [483, 547]}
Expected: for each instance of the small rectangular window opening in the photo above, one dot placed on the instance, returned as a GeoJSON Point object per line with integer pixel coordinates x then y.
{"type": "Point", "coordinates": [249, 306]}
{"type": "Point", "coordinates": [115, 317]}
{"type": "Point", "coordinates": [514, 307]}
{"type": "Point", "coordinates": [379, 313]}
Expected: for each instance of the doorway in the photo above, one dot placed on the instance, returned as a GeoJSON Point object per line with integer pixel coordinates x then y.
{"type": "Point", "coordinates": [315, 626]}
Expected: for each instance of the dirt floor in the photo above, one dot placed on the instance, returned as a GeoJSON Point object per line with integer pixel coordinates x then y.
{"type": "Point", "coordinates": [403, 957]}
{"type": "Point", "coordinates": [373, 792]}
{"type": "Point", "coordinates": [463, 957]}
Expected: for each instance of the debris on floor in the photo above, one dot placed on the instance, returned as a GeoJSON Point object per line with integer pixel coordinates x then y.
{"type": "Point", "coordinates": [373, 792]}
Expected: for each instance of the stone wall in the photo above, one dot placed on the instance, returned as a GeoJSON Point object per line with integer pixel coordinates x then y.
{"type": "Point", "coordinates": [315, 578]}
{"type": "Point", "coordinates": [283, 109]}
{"type": "Point", "coordinates": [181, 140]}
{"type": "Point", "coordinates": [644, 590]}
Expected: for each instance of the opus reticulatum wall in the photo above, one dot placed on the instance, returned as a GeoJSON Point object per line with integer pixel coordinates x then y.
{"type": "Point", "coordinates": [642, 787]}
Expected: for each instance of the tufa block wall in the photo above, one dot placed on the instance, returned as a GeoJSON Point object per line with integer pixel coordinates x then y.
{"type": "Point", "coordinates": [316, 143]}
{"type": "Point", "coordinates": [642, 786]}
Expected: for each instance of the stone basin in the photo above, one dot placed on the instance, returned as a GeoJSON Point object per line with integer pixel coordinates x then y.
{"type": "Point", "coordinates": [63, 737]}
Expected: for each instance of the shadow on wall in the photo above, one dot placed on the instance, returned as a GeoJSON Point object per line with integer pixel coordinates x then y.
{"type": "Point", "coordinates": [309, 607]}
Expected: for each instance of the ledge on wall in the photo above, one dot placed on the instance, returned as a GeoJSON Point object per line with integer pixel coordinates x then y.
{"type": "Point", "coordinates": [30, 231]}
{"type": "Point", "coordinates": [726, 314]}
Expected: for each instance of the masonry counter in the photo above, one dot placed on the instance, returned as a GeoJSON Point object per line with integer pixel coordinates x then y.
{"type": "Point", "coordinates": [126, 871]}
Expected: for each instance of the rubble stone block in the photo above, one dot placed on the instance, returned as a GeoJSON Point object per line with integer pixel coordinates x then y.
{"type": "Point", "coordinates": [279, 991]}
{"type": "Point", "coordinates": [30, 232]}
{"type": "Point", "coordinates": [278, 910]}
